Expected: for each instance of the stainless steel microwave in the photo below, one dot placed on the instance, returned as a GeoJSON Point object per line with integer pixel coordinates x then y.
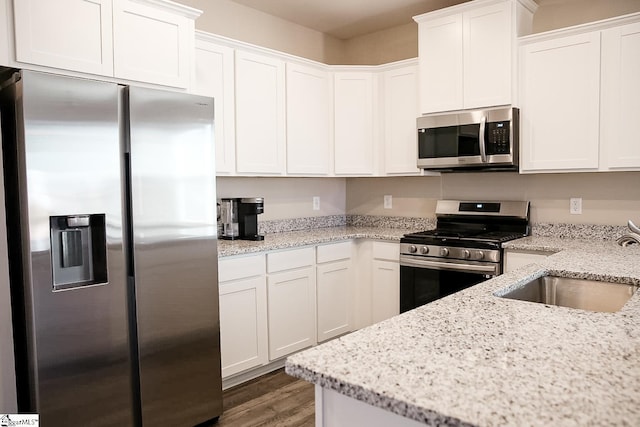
{"type": "Point", "coordinates": [469, 140]}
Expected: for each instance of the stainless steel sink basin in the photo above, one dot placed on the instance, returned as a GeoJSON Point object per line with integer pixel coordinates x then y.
{"type": "Point", "coordinates": [575, 293]}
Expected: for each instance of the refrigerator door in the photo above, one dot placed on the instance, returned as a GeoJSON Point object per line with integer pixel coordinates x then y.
{"type": "Point", "coordinates": [175, 256]}
{"type": "Point", "coordinates": [72, 359]}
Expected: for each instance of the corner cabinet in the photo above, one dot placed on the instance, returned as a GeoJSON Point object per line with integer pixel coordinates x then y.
{"type": "Point", "coordinates": [309, 103]}
{"type": "Point", "coordinates": [467, 53]}
{"type": "Point", "coordinates": [148, 41]}
{"type": "Point", "coordinates": [580, 98]}
{"type": "Point", "coordinates": [260, 113]}
{"type": "Point", "coordinates": [354, 143]}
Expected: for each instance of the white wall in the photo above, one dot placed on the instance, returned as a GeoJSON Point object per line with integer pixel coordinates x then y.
{"type": "Point", "coordinates": [608, 198]}
{"type": "Point", "coordinates": [286, 198]}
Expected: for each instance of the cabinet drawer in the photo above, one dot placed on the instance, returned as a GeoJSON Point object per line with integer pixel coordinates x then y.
{"type": "Point", "coordinates": [287, 260]}
{"type": "Point", "coordinates": [333, 252]}
{"type": "Point", "coordinates": [388, 251]}
{"type": "Point", "coordinates": [240, 267]}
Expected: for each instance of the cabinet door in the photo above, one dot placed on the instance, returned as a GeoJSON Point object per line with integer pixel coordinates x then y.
{"type": "Point", "coordinates": [152, 45]}
{"type": "Point", "coordinates": [560, 103]}
{"type": "Point", "coordinates": [334, 299]}
{"type": "Point", "coordinates": [214, 77]}
{"type": "Point", "coordinates": [487, 56]}
{"type": "Point", "coordinates": [400, 113]}
{"type": "Point", "coordinates": [243, 325]}
{"type": "Point", "coordinates": [353, 123]}
{"type": "Point", "coordinates": [385, 300]}
{"type": "Point", "coordinates": [620, 108]}
{"type": "Point", "coordinates": [68, 34]}
{"type": "Point", "coordinates": [308, 120]}
{"type": "Point", "coordinates": [260, 114]}
{"type": "Point", "coordinates": [440, 53]}
{"type": "Point", "coordinates": [292, 311]}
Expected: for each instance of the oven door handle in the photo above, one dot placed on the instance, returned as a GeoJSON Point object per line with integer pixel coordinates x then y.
{"type": "Point", "coordinates": [475, 268]}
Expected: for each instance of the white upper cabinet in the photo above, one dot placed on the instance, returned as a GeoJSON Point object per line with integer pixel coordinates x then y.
{"type": "Point", "coordinates": [559, 115]}
{"type": "Point", "coordinates": [260, 114]}
{"type": "Point", "coordinates": [580, 98]}
{"type": "Point", "coordinates": [67, 34]}
{"type": "Point", "coordinates": [354, 144]}
{"type": "Point", "coordinates": [214, 76]}
{"type": "Point", "coordinates": [152, 44]}
{"type": "Point", "coordinates": [466, 53]}
{"type": "Point", "coordinates": [148, 41]}
{"type": "Point", "coordinates": [400, 103]}
{"type": "Point", "coordinates": [308, 120]}
{"type": "Point", "coordinates": [620, 98]}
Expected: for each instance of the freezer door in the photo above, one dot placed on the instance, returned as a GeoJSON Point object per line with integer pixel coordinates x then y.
{"type": "Point", "coordinates": [71, 341]}
{"type": "Point", "coordinates": [175, 258]}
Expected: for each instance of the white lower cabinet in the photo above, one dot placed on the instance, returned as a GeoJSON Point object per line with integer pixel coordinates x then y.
{"type": "Point", "coordinates": [291, 301]}
{"type": "Point", "coordinates": [334, 281]}
{"type": "Point", "coordinates": [243, 314]}
{"type": "Point", "coordinates": [385, 281]}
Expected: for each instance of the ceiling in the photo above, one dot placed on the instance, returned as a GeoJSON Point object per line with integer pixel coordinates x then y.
{"type": "Point", "coordinates": [345, 19]}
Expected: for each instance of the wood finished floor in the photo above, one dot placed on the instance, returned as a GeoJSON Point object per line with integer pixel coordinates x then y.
{"type": "Point", "coordinates": [274, 399]}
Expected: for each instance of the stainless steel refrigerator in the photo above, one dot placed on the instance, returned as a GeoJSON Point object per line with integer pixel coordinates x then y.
{"type": "Point", "coordinates": [111, 213]}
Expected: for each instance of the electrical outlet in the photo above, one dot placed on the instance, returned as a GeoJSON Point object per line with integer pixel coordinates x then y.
{"type": "Point", "coordinates": [316, 203]}
{"type": "Point", "coordinates": [575, 206]}
{"type": "Point", "coordinates": [388, 201]}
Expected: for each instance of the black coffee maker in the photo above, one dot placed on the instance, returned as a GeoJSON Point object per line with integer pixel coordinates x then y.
{"type": "Point", "coordinates": [248, 210]}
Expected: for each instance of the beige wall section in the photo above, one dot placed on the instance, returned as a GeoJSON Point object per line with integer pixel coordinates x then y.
{"type": "Point", "coordinates": [286, 198]}
{"type": "Point", "coordinates": [233, 20]}
{"type": "Point", "coordinates": [411, 196]}
{"type": "Point", "coordinates": [607, 198]}
{"type": "Point", "coordinates": [553, 14]}
{"type": "Point", "coordinates": [381, 47]}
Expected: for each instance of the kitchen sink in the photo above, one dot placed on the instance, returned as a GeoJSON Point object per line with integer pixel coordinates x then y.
{"type": "Point", "coordinates": [583, 294]}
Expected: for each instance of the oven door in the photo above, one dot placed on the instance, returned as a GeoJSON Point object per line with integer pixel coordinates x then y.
{"type": "Point", "coordinates": [424, 279]}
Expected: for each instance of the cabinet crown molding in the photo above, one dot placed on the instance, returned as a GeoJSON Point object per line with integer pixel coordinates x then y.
{"type": "Point", "coordinates": [529, 5]}
{"type": "Point", "coordinates": [581, 28]}
{"type": "Point", "coordinates": [173, 7]}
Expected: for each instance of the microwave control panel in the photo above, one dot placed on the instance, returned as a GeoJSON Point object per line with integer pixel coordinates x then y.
{"type": "Point", "coordinates": [497, 136]}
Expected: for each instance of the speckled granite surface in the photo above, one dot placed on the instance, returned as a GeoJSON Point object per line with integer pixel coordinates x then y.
{"type": "Point", "coordinates": [317, 230]}
{"type": "Point", "coordinates": [479, 359]}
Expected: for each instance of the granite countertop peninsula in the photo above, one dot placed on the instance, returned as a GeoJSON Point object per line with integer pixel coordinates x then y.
{"type": "Point", "coordinates": [473, 358]}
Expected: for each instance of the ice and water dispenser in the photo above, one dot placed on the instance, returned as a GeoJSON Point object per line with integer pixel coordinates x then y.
{"type": "Point", "coordinates": [78, 250]}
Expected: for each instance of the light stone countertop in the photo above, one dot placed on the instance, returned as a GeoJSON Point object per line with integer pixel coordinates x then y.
{"type": "Point", "coordinates": [293, 239]}
{"type": "Point", "coordinates": [473, 358]}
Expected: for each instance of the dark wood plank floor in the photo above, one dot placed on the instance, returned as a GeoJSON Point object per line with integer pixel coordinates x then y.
{"type": "Point", "coordinates": [274, 399]}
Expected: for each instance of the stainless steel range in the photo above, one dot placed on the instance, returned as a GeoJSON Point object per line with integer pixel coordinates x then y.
{"type": "Point", "coordinates": [464, 249]}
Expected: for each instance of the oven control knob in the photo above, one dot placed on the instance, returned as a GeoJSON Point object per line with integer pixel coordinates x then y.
{"type": "Point", "coordinates": [413, 249]}
{"type": "Point", "coordinates": [479, 254]}
{"type": "Point", "coordinates": [444, 251]}
{"type": "Point", "coordinates": [424, 250]}
{"type": "Point", "coordinates": [466, 253]}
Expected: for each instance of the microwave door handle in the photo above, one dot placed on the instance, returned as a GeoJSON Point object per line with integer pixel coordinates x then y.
{"type": "Point", "coordinates": [483, 151]}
